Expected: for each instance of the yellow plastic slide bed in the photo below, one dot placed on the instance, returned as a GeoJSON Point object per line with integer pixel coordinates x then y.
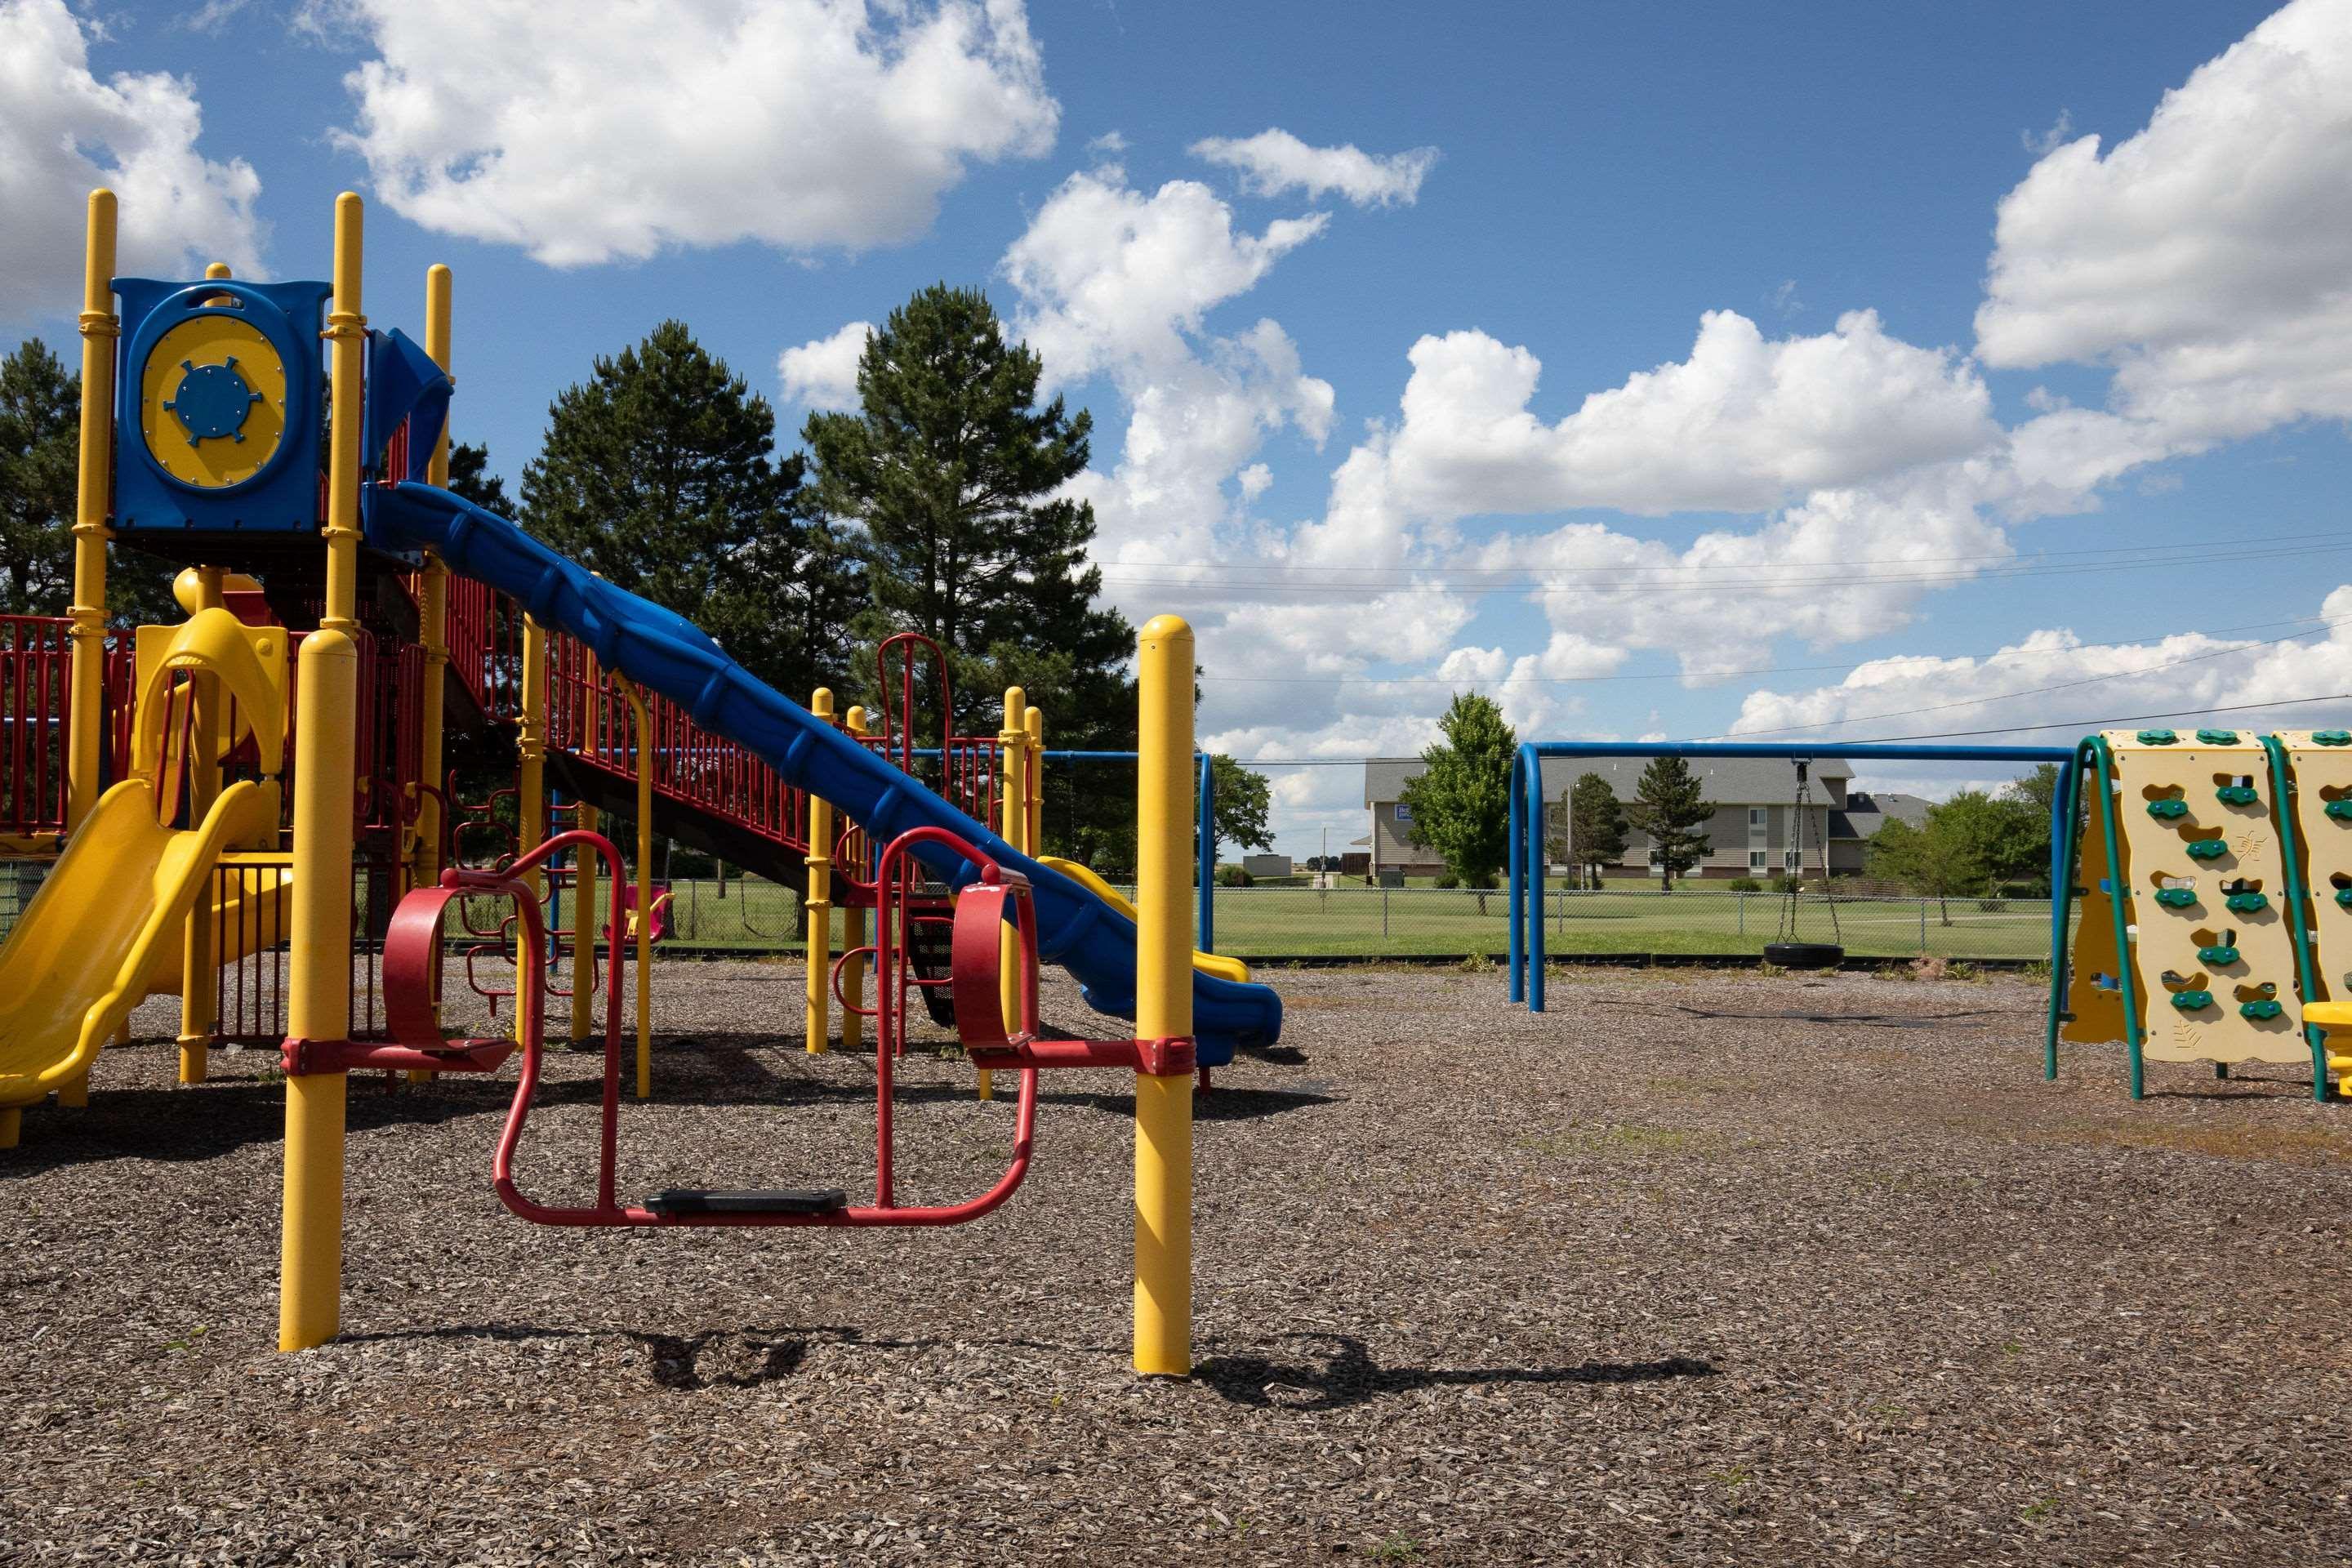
{"type": "Point", "coordinates": [1208, 963]}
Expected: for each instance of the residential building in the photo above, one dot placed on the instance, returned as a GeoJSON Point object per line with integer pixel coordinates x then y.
{"type": "Point", "coordinates": [1753, 833]}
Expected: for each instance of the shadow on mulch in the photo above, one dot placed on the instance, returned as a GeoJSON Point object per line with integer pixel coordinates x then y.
{"type": "Point", "coordinates": [1344, 1377]}
{"type": "Point", "coordinates": [1347, 1376]}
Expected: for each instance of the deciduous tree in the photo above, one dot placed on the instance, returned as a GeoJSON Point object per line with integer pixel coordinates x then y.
{"type": "Point", "coordinates": [1460, 803]}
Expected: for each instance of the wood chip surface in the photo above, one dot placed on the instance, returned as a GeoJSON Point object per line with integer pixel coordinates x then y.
{"type": "Point", "coordinates": [1698, 1268]}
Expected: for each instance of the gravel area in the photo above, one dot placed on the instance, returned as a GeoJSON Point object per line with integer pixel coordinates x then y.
{"type": "Point", "coordinates": [1699, 1267]}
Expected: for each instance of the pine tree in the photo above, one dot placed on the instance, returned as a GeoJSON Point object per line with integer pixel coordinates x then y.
{"type": "Point", "coordinates": [658, 471]}
{"type": "Point", "coordinates": [1596, 826]}
{"type": "Point", "coordinates": [1460, 803]}
{"type": "Point", "coordinates": [952, 472]}
{"type": "Point", "coordinates": [470, 476]}
{"type": "Point", "coordinates": [1669, 806]}
{"type": "Point", "coordinates": [40, 444]}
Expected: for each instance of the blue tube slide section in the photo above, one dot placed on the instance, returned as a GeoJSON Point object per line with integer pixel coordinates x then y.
{"type": "Point", "coordinates": [670, 654]}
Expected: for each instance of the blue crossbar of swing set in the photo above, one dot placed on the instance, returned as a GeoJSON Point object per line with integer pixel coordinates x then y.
{"type": "Point", "coordinates": [1526, 859]}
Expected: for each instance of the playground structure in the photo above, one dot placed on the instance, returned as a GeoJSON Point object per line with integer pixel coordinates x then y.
{"type": "Point", "coordinates": [2213, 874]}
{"type": "Point", "coordinates": [253, 807]}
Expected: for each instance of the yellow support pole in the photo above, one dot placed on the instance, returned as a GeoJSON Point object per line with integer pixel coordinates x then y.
{"type": "Point", "coordinates": [1163, 1000]}
{"type": "Point", "coordinates": [853, 937]}
{"type": "Point", "coordinates": [197, 947]}
{"type": "Point", "coordinates": [645, 921]}
{"type": "Point", "coordinates": [531, 779]}
{"type": "Point", "coordinates": [432, 624]}
{"type": "Point", "coordinates": [1033, 719]}
{"type": "Point", "coordinates": [1012, 821]}
{"type": "Point", "coordinates": [319, 991]}
{"type": "Point", "coordinates": [583, 933]}
{"type": "Point", "coordinates": [99, 328]}
{"type": "Point", "coordinates": [816, 1027]}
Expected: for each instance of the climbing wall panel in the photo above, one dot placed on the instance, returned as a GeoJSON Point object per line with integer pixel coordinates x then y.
{"type": "Point", "coordinates": [2095, 998]}
{"type": "Point", "coordinates": [2214, 950]}
{"type": "Point", "coordinates": [2321, 761]}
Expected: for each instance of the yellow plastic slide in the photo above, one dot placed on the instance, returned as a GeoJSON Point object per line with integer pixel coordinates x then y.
{"type": "Point", "coordinates": [79, 957]}
{"type": "Point", "coordinates": [1206, 963]}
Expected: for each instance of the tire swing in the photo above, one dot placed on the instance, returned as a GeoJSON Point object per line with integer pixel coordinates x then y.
{"type": "Point", "coordinates": [1790, 950]}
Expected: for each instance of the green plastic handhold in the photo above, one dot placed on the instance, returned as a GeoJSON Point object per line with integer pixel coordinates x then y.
{"type": "Point", "coordinates": [2189, 1001]}
{"type": "Point", "coordinates": [2155, 737]}
{"type": "Point", "coordinates": [2262, 1009]}
{"type": "Point", "coordinates": [2248, 903]}
{"type": "Point", "coordinates": [2216, 737]}
{"type": "Point", "coordinates": [2208, 848]}
{"type": "Point", "coordinates": [2331, 737]}
{"type": "Point", "coordinates": [2175, 897]}
{"type": "Point", "coordinates": [2236, 795]}
{"type": "Point", "coordinates": [2216, 956]}
{"type": "Point", "coordinates": [2166, 810]}
{"type": "Point", "coordinates": [2341, 810]}
{"type": "Point", "coordinates": [2343, 897]}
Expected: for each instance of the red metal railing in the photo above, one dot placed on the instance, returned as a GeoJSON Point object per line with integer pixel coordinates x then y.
{"type": "Point", "coordinates": [35, 682]}
{"type": "Point", "coordinates": [589, 718]}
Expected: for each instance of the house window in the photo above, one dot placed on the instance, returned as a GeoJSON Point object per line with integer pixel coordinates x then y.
{"type": "Point", "coordinates": [1789, 857]}
{"type": "Point", "coordinates": [1755, 816]}
{"type": "Point", "coordinates": [1404, 813]}
{"type": "Point", "coordinates": [1756, 860]}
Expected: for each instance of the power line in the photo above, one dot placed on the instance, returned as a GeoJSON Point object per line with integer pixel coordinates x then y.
{"type": "Point", "coordinates": [1473, 683]}
{"type": "Point", "coordinates": [1258, 569]}
{"type": "Point", "coordinates": [2035, 691]}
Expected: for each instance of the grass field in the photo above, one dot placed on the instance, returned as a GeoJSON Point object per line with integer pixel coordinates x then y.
{"type": "Point", "coordinates": [1410, 921]}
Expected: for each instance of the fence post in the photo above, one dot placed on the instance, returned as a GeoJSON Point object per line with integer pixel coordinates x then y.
{"type": "Point", "coordinates": [1743, 911]}
{"type": "Point", "coordinates": [1384, 912]}
{"type": "Point", "coordinates": [1923, 928]}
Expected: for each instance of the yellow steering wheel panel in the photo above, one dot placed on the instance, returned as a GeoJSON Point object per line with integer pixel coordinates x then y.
{"type": "Point", "coordinates": [212, 401]}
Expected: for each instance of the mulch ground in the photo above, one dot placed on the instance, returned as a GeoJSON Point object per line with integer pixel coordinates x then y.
{"type": "Point", "coordinates": [1667, 1275]}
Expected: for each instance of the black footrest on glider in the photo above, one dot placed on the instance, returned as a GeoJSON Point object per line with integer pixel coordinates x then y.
{"type": "Point", "coordinates": [767, 1200]}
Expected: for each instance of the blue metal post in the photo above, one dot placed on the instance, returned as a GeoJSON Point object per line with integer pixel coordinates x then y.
{"type": "Point", "coordinates": [1533, 818]}
{"type": "Point", "coordinates": [1208, 835]}
{"type": "Point", "coordinates": [1515, 860]}
{"type": "Point", "coordinates": [2065, 810]}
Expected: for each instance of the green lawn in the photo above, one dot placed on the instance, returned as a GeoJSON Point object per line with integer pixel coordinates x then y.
{"type": "Point", "coordinates": [1421, 921]}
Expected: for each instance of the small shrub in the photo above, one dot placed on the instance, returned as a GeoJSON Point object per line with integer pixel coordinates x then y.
{"type": "Point", "coordinates": [1234, 876]}
{"type": "Point", "coordinates": [1745, 885]}
{"type": "Point", "coordinates": [1448, 879]}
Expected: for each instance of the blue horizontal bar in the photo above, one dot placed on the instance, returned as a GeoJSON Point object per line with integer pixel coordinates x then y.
{"type": "Point", "coordinates": [1875, 752]}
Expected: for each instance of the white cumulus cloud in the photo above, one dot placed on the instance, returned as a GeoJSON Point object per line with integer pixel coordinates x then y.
{"type": "Point", "coordinates": [584, 133]}
{"type": "Point", "coordinates": [2204, 257]}
{"type": "Point", "coordinates": [63, 130]}
{"type": "Point", "coordinates": [823, 373]}
{"type": "Point", "coordinates": [1274, 161]}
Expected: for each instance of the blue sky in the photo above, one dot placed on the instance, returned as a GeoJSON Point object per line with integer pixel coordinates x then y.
{"type": "Point", "coordinates": [1310, 345]}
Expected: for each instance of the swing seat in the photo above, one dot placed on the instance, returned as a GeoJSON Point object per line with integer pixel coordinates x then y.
{"type": "Point", "coordinates": [1804, 954]}
{"type": "Point", "coordinates": [765, 1200]}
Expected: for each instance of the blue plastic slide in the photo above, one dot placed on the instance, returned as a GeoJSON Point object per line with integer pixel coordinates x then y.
{"type": "Point", "coordinates": [670, 654]}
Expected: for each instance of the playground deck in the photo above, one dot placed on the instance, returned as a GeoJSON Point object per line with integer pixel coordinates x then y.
{"type": "Point", "coordinates": [1618, 1283]}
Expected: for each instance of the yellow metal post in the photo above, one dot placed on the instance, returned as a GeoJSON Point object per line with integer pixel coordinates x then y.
{"type": "Point", "coordinates": [86, 730]}
{"type": "Point", "coordinates": [853, 937]}
{"type": "Point", "coordinates": [197, 946]}
{"type": "Point", "coordinates": [319, 993]}
{"type": "Point", "coordinates": [531, 779]}
{"type": "Point", "coordinates": [1013, 822]}
{"type": "Point", "coordinates": [816, 1028]}
{"type": "Point", "coordinates": [1163, 1000]}
{"type": "Point", "coordinates": [432, 624]}
{"type": "Point", "coordinates": [584, 902]}
{"type": "Point", "coordinates": [645, 921]}
{"type": "Point", "coordinates": [1033, 719]}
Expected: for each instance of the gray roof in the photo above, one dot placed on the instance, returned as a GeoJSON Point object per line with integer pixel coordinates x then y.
{"type": "Point", "coordinates": [1723, 781]}
{"type": "Point", "coordinates": [1866, 810]}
